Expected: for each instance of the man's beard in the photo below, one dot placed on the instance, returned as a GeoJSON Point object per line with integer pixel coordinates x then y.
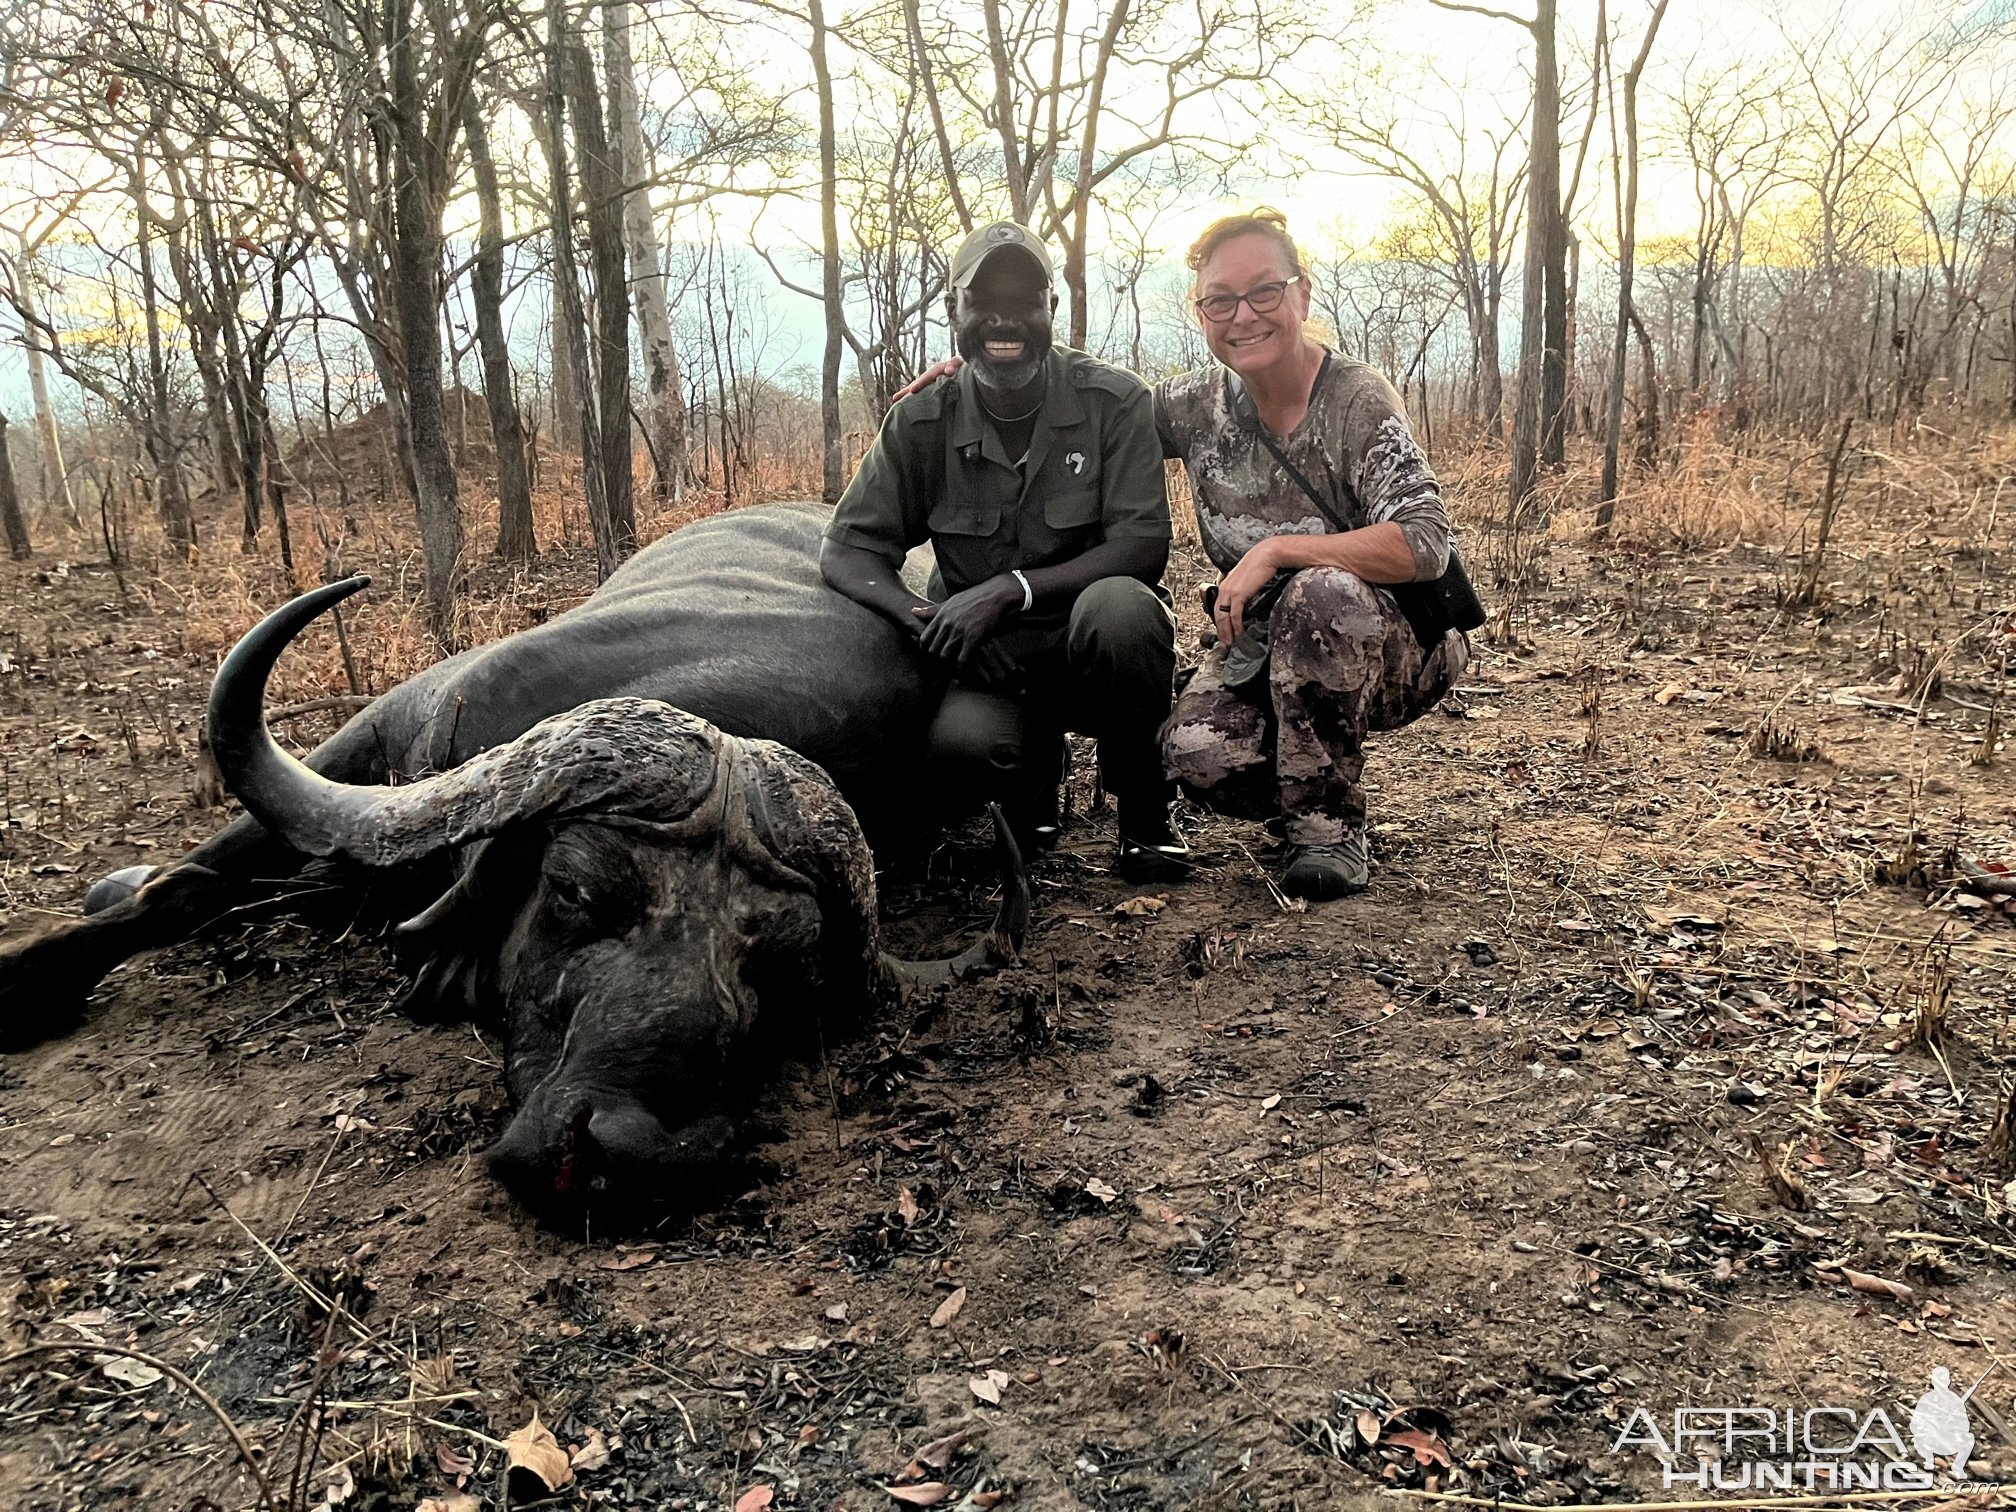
{"type": "Point", "coordinates": [1006, 375]}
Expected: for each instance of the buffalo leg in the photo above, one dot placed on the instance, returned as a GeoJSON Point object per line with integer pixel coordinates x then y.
{"type": "Point", "coordinates": [46, 977]}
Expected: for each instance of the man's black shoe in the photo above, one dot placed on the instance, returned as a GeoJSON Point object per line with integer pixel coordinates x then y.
{"type": "Point", "coordinates": [1320, 872]}
{"type": "Point", "coordinates": [1033, 819]}
{"type": "Point", "coordinates": [1150, 848]}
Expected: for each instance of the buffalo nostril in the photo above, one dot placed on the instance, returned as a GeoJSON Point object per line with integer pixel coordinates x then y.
{"type": "Point", "coordinates": [628, 1135]}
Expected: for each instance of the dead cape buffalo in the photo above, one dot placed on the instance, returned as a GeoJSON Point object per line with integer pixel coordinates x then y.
{"type": "Point", "coordinates": [647, 871]}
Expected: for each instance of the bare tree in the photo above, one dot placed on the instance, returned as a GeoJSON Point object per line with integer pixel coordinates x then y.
{"type": "Point", "coordinates": [615, 521]}
{"type": "Point", "coordinates": [1073, 96]}
{"type": "Point", "coordinates": [1727, 129]}
{"type": "Point", "coordinates": [1476, 209]}
{"type": "Point", "coordinates": [1543, 323]}
{"type": "Point", "coordinates": [486, 278]}
{"type": "Point", "coordinates": [1627, 252]}
{"type": "Point", "coordinates": [664, 412]}
{"type": "Point", "coordinates": [13, 524]}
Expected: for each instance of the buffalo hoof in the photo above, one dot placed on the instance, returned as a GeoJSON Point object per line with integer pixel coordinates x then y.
{"type": "Point", "coordinates": [107, 892]}
{"type": "Point", "coordinates": [42, 994]}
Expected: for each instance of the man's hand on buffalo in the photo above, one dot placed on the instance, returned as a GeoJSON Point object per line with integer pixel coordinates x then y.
{"type": "Point", "coordinates": [961, 629]}
{"type": "Point", "coordinates": [874, 580]}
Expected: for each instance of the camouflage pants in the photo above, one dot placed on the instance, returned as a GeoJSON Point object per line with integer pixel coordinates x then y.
{"type": "Point", "coordinates": [1292, 742]}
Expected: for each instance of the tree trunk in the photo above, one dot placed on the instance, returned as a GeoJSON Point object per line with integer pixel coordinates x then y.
{"type": "Point", "coordinates": [835, 468]}
{"type": "Point", "coordinates": [602, 189]}
{"type": "Point", "coordinates": [570, 318]}
{"type": "Point", "coordinates": [1546, 173]}
{"type": "Point", "coordinates": [664, 406]}
{"type": "Point", "coordinates": [486, 292]}
{"type": "Point", "coordinates": [948, 164]}
{"type": "Point", "coordinates": [1532, 337]}
{"type": "Point", "coordinates": [12, 522]}
{"type": "Point", "coordinates": [1491, 370]}
{"type": "Point", "coordinates": [1081, 194]}
{"type": "Point", "coordinates": [1646, 450]}
{"type": "Point", "coordinates": [416, 271]}
{"type": "Point", "coordinates": [567, 383]}
{"type": "Point", "coordinates": [55, 476]}
{"type": "Point", "coordinates": [276, 489]}
{"type": "Point", "coordinates": [171, 497]}
{"type": "Point", "coordinates": [1627, 252]}
{"type": "Point", "coordinates": [1019, 198]}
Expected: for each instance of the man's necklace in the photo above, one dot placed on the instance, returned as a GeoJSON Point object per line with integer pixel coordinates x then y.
{"type": "Point", "coordinates": [999, 419]}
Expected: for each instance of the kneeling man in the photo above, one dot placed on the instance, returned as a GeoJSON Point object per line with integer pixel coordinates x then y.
{"type": "Point", "coordinates": [1036, 475]}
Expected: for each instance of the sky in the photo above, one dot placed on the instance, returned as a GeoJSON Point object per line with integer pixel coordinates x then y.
{"type": "Point", "coordinates": [1480, 76]}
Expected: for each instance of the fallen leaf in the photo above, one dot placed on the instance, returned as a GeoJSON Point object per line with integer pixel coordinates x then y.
{"type": "Point", "coordinates": [127, 1372]}
{"type": "Point", "coordinates": [987, 1387]}
{"type": "Point", "coordinates": [937, 1454]}
{"type": "Point", "coordinates": [453, 1461]}
{"type": "Point", "coordinates": [1428, 1449]}
{"type": "Point", "coordinates": [634, 1260]}
{"type": "Point", "coordinates": [460, 1501]}
{"type": "Point", "coordinates": [755, 1499]}
{"type": "Point", "coordinates": [837, 1313]}
{"type": "Point", "coordinates": [1368, 1425]}
{"type": "Point", "coordinates": [1878, 1286]}
{"type": "Point", "coordinates": [1269, 1104]}
{"type": "Point", "coordinates": [339, 1487]}
{"type": "Point", "coordinates": [1139, 907]}
{"type": "Point", "coordinates": [949, 1308]}
{"type": "Point", "coordinates": [592, 1455]}
{"type": "Point", "coordinates": [1097, 1188]}
{"type": "Point", "coordinates": [906, 1207]}
{"type": "Point", "coordinates": [533, 1454]}
{"type": "Point", "coordinates": [1664, 696]}
{"type": "Point", "coordinates": [927, 1495]}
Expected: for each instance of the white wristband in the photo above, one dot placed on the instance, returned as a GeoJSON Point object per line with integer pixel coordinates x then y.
{"type": "Point", "coordinates": [1028, 593]}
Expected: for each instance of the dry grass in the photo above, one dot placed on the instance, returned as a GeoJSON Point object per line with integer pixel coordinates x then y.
{"type": "Point", "coordinates": [1714, 490]}
{"type": "Point", "coordinates": [215, 596]}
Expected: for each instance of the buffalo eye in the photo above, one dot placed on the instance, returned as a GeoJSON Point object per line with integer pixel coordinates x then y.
{"type": "Point", "coordinates": [567, 892]}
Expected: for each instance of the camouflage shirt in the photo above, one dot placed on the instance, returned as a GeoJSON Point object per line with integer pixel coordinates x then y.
{"type": "Point", "coordinates": [1353, 445]}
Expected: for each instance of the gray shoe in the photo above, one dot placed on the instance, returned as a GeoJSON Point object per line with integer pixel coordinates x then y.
{"type": "Point", "coordinates": [1318, 872]}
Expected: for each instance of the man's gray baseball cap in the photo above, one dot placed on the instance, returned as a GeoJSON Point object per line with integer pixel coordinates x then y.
{"type": "Point", "coordinates": [1002, 236]}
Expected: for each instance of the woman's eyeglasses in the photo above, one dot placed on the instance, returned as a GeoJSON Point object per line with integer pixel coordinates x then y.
{"type": "Point", "coordinates": [1262, 298]}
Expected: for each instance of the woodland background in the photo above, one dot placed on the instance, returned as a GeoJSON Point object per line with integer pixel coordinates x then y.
{"type": "Point", "coordinates": [239, 231]}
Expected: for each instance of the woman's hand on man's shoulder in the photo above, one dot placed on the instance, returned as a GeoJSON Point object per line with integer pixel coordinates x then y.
{"type": "Point", "coordinates": [945, 367]}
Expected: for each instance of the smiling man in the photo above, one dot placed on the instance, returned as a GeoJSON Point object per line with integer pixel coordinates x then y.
{"type": "Point", "coordinates": [1036, 475]}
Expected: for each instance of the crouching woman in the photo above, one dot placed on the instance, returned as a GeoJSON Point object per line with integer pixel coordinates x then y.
{"type": "Point", "coordinates": [1324, 517]}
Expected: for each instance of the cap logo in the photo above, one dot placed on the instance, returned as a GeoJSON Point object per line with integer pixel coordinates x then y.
{"type": "Point", "coordinates": [1076, 462]}
{"type": "Point", "coordinates": [999, 234]}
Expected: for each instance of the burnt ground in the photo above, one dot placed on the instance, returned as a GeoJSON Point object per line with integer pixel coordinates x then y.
{"type": "Point", "coordinates": [1188, 1204]}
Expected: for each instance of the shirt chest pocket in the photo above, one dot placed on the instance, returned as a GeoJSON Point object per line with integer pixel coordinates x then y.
{"type": "Point", "coordinates": [965, 517]}
{"type": "Point", "coordinates": [1072, 497]}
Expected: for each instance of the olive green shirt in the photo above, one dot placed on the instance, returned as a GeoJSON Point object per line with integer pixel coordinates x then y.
{"type": "Point", "coordinates": [938, 472]}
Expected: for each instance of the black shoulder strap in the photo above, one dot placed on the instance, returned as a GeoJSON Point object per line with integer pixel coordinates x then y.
{"type": "Point", "coordinates": [1248, 416]}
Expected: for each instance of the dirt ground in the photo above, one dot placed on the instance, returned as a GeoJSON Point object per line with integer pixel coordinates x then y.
{"type": "Point", "coordinates": [1661, 1068]}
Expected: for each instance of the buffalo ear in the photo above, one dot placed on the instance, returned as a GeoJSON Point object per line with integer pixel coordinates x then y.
{"type": "Point", "coordinates": [450, 947]}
